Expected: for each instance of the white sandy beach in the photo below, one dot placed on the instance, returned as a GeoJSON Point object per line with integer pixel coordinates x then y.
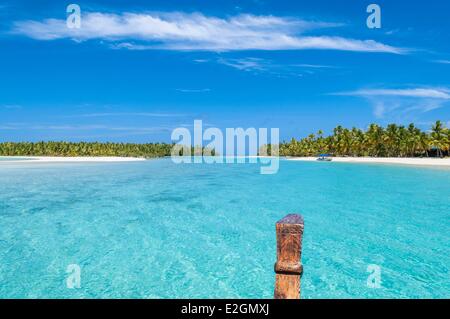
{"type": "Point", "coordinates": [55, 159]}
{"type": "Point", "coordinates": [91, 159]}
{"type": "Point", "coordinates": [384, 160]}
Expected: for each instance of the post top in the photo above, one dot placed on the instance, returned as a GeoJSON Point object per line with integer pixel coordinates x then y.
{"type": "Point", "coordinates": [291, 219]}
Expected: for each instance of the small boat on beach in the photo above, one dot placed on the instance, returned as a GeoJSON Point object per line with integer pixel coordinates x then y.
{"type": "Point", "coordinates": [324, 158]}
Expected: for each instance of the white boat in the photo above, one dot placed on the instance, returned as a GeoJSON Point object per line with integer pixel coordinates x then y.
{"type": "Point", "coordinates": [324, 158]}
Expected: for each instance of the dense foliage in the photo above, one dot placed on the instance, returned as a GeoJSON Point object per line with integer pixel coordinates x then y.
{"type": "Point", "coordinates": [392, 141]}
{"type": "Point", "coordinates": [85, 149]}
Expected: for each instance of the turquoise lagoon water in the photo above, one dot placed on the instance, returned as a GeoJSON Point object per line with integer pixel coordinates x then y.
{"type": "Point", "coordinates": [156, 230]}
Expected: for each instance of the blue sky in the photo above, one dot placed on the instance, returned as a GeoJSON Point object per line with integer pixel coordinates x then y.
{"type": "Point", "coordinates": [135, 70]}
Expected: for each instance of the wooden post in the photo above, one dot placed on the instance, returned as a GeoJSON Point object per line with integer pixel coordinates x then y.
{"type": "Point", "coordinates": [288, 268]}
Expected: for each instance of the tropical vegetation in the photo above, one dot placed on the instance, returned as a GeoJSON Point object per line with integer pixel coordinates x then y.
{"type": "Point", "coordinates": [85, 149]}
{"type": "Point", "coordinates": [377, 141]}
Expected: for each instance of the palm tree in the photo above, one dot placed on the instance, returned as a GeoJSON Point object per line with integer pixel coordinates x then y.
{"type": "Point", "coordinates": [438, 137]}
{"type": "Point", "coordinates": [375, 140]}
{"type": "Point", "coordinates": [413, 140]}
{"type": "Point", "coordinates": [447, 132]}
{"type": "Point", "coordinates": [321, 146]}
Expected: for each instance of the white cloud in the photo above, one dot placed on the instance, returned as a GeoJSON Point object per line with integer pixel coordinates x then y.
{"type": "Point", "coordinates": [89, 127]}
{"type": "Point", "coordinates": [139, 114]}
{"type": "Point", "coordinates": [183, 31]}
{"type": "Point", "coordinates": [193, 90]}
{"type": "Point", "coordinates": [245, 64]}
{"type": "Point", "coordinates": [314, 66]}
{"type": "Point", "coordinates": [201, 60]}
{"type": "Point", "coordinates": [434, 93]}
{"type": "Point", "coordinates": [442, 61]}
{"type": "Point", "coordinates": [12, 106]}
{"type": "Point", "coordinates": [258, 66]}
{"type": "Point", "coordinates": [379, 109]}
{"type": "Point", "coordinates": [402, 104]}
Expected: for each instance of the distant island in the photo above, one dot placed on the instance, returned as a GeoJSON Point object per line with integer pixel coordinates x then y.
{"type": "Point", "coordinates": [377, 141]}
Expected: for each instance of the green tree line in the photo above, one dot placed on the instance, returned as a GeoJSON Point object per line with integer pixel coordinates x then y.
{"type": "Point", "coordinates": [377, 141]}
{"type": "Point", "coordinates": [85, 149]}
{"type": "Point", "coordinates": [149, 150]}
{"type": "Point", "coordinates": [390, 141]}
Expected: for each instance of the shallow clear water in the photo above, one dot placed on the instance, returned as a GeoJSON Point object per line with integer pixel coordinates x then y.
{"type": "Point", "coordinates": [156, 230]}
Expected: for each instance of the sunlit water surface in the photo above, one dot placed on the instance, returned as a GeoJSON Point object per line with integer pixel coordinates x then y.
{"type": "Point", "coordinates": [156, 230]}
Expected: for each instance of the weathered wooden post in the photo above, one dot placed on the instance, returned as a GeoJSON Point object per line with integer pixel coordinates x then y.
{"type": "Point", "coordinates": [288, 268]}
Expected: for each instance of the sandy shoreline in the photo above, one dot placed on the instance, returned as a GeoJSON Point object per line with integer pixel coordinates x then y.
{"type": "Point", "coordinates": [384, 160]}
{"type": "Point", "coordinates": [56, 159]}
{"type": "Point", "coordinates": [367, 160]}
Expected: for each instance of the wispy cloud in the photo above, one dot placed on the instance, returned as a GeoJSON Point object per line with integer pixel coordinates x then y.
{"type": "Point", "coordinates": [315, 66]}
{"type": "Point", "coordinates": [201, 60]}
{"type": "Point", "coordinates": [193, 90]}
{"type": "Point", "coordinates": [442, 61]}
{"type": "Point", "coordinates": [266, 66]}
{"type": "Point", "coordinates": [246, 64]}
{"type": "Point", "coordinates": [11, 106]}
{"type": "Point", "coordinates": [195, 31]}
{"type": "Point", "coordinates": [88, 127]}
{"type": "Point", "coordinates": [435, 93]}
{"type": "Point", "coordinates": [402, 103]}
{"type": "Point", "coordinates": [120, 114]}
